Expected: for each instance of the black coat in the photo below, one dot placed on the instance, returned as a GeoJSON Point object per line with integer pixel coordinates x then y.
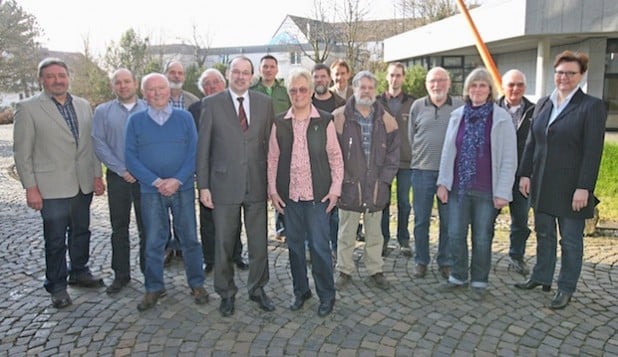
{"type": "Point", "coordinates": [566, 156]}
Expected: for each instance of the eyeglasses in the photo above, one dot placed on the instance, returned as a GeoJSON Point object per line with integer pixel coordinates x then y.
{"type": "Point", "coordinates": [437, 80]}
{"type": "Point", "coordinates": [518, 84]}
{"type": "Point", "coordinates": [241, 73]}
{"type": "Point", "coordinates": [301, 90]}
{"type": "Point", "coordinates": [568, 74]}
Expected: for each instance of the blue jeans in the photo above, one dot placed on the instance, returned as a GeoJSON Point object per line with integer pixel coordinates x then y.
{"type": "Point", "coordinates": [403, 210]}
{"type": "Point", "coordinates": [334, 228]}
{"type": "Point", "coordinates": [475, 210]}
{"type": "Point", "coordinates": [571, 243]}
{"type": "Point", "coordinates": [309, 221]}
{"type": "Point", "coordinates": [121, 195]}
{"type": "Point", "coordinates": [66, 222]}
{"type": "Point", "coordinates": [519, 208]}
{"type": "Point", "coordinates": [424, 193]}
{"type": "Point", "coordinates": [155, 214]}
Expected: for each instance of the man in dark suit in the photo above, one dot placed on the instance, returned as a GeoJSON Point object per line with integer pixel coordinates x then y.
{"type": "Point", "coordinates": [57, 166]}
{"type": "Point", "coordinates": [231, 172]}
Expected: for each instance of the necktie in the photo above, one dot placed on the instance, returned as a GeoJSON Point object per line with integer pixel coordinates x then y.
{"type": "Point", "coordinates": [242, 116]}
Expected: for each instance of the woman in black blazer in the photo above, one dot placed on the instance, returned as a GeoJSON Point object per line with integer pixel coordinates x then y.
{"type": "Point", "coordinates": [559, 169]}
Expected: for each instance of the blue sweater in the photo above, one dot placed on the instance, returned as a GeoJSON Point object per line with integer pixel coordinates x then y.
{"type": "Point", "coordinates": [155, 151]}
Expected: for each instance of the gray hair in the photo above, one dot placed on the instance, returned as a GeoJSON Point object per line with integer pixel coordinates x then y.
{"type": "Point", "coordinates": [207, 73]}
{"type": "Point", "coordinates": [512, 72]}
{"type": "Point", "coordinates": [151, 75]}
{"type": "Point", "coordinates": [480, 74]}
{"type": "Point", "coordinates": [363, 74]}
{"type": "Point", "coordinates": [299, 73]}
{"type": "Point", "coordinates": [50, 61]}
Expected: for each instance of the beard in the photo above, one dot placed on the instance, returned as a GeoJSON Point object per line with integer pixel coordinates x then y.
{"type": "Point", "coordinates": [321, 89]}
{"type": "Point", "coordinates": [364, 101]}
{"type": "Point", "coordinates": [174, 85]}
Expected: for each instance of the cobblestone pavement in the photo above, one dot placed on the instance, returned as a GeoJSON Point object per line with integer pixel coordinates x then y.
{"type": "Point", "coordinates": [412, 318]}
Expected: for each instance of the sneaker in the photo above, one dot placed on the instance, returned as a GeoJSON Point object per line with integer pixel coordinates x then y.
{"type": "Point", "coordinates": [200, 295]}
{"type": "Point", "coordinates": [342, 280]}
{"type": "Point", "coordinates": [451, 287]}
{"type": "Point", "coordinates": [116, 286]}
{"type": "Point", "coordinates": [380, 281]}
{"type": "Point", "coordinates": [405, 250]}
{"type": "Point", "coordinates": [150, 300]}
{"type": "Point", "coordinates": [519, 266]}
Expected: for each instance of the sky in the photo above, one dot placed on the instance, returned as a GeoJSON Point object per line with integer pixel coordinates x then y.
{"type": "Point", "coordinates": [68, 23]}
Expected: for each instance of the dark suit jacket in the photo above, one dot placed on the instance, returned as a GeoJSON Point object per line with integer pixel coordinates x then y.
{"type": "Point", "coordinates": [566, 156]}
{"type": "Point", "coordinates": [230, 163]}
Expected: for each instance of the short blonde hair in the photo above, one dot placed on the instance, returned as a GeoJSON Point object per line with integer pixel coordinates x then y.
{"type": "Point", "coordinates": [480, 74]}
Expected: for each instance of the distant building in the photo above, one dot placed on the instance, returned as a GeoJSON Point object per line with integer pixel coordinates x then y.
{"type": "Point", "coordinates": [523, 34]}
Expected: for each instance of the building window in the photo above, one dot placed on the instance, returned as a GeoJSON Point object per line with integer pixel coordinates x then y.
{"type": "Point", "coordinates": [295, 57]}
{"type": "Point", "coordinates": [610, 85]}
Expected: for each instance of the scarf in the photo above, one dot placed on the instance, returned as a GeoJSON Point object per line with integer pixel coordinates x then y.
{"type": "Point", "coordinates": [475, 119]}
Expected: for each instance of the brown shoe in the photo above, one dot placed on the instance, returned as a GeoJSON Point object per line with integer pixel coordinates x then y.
{"type": "Point", "coordinates": [420, 270]}
{"type": "Point", "coordinates": [445, 272]}
{"type": "Point", "coordinates": [200, 295]}
{"type": "Point", "coordinates": [150, 300]}
{"type": "Point", "coordinates": [380, 281]}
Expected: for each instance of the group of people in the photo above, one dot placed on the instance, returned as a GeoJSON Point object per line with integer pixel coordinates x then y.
{"type": "Point", "coordinates": [326, 158]}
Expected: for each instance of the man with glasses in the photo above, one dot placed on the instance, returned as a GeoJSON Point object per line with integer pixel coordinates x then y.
{"type": "Point", "coordinates": [521, 109]}
{"type": "Point", "coordinates": [429, 117]}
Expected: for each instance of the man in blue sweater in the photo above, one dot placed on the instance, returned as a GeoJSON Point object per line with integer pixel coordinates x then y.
{"type": "Point", "coordinates": [160, 152]}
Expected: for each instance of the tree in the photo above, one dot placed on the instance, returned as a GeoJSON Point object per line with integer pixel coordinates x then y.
{"type": "Point", "coordinates": [19, 49]}
{"type": "Point", "coordinates": [429, 11]}
{"type": "Point", "coordinates": [89, 80]}
{"type": "Point", "coordinates": [352, 34]}
{"type": "Point", "coordinates": [319, 33]}
{"type": "Point", "coordinates": [132, 52]}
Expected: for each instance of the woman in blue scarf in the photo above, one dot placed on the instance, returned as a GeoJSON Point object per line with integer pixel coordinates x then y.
{"type": "Point", "coordinates": [477, 170]}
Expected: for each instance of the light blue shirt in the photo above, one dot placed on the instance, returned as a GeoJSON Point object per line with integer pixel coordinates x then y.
{"type": "Point", "coordinates": [559, 108]}
{"type": "Point", "coordinates": [108, 133]}
{"type": "Point", "coordinates": [160, 116]}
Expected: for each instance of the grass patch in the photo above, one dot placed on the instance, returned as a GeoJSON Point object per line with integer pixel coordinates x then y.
{"type": "Point", "coordinates": [607, 184]}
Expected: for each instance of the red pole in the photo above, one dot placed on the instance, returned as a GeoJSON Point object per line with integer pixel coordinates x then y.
{"type": "Point", "coordinates": [481, 47]}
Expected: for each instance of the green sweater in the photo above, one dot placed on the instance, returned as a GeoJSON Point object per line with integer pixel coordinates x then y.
{"type": "Point", "coordinates": [278, 93]}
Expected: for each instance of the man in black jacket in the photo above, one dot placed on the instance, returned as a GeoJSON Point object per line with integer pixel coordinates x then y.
{"type": "Point", "coordinates": [521, 109]}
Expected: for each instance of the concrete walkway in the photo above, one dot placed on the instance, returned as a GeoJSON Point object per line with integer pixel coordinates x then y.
{"type": "Point", "coordinates": [412, 318]}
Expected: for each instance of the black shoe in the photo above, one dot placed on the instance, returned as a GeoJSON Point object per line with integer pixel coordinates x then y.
{"type": "Point", "coordinates": [208, 268]}
{"type": "Point", "coordinates": [299, 301]}
{"type": "Point", "coordinates": [240, 264]}
{"type": "Point", "coordinates": [227, 306]}
{"type": "Point", "coordinates": [116, 286]}
{"type": "Point", "coordinates": [385, 250]}
{"type": "Point", "coordinates": [326, 307]}
{"type": "Point", "coordinates": [263, 300]}
{"type": "Point", "coordinates": [531, 284]}
{"type": "Point", "coordinates": [519, 266]}
{"type": "Point", "coordinates": [61, 299]}
{"type": "Point", "coordinates": [86, 280]}
{"type": "Point", "coordinates": [560, 300]}
{"type": "Point", "coordinates": [178, 254]}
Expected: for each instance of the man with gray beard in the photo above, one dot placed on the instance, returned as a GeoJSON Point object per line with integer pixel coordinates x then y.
{"type": "Point", "coordinates": [369, 140]}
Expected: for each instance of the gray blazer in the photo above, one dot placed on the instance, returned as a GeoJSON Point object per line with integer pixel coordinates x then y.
{"type": "Point", "coordinates": [45, 152]}
{"type": "Point", "coordinates": [230, 163]}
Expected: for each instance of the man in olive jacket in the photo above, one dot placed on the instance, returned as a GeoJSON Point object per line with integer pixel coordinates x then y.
{"type": "Point", "coordinates": [369, 140]}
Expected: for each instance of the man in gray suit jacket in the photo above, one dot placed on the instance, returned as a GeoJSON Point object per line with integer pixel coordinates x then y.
{"type": "Point", "coordinates": [55, 160]}
{"type": "Point", "coordinates": [231, 173]}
